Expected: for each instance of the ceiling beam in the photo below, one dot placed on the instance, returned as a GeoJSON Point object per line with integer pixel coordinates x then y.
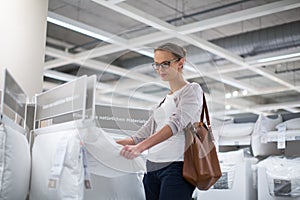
{"type": "Point", "coordinates": [211, 73]}
{"type": "Point", "coordinates": [97, 65]}
{"type": "Point", "coordinates": [67, 77]}
{"type": "Point", "coordinates": [215, 22]}
{"type": "Point", "coordinates": [83, 28]}
{"type": "Point", "coordinates": [163, 26]}
{"type": "Point", "coordinates": [101, 66]}
{"type": "Point", "coordinates": [90, 31]}
{"type": "Point", "coordinates": [159, 36]}
{"type": "Point", "coordinates": [259, 108]}
{"type": "Point", "coordinates": [239, 16]}
{"type": "Point", "coordinates": [275, 106]}
{"type": "Point", "coordinates": [237, 59]}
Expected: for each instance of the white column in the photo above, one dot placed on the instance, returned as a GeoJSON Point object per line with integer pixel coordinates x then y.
{"type": "Point", "coordinates": [23, 25]}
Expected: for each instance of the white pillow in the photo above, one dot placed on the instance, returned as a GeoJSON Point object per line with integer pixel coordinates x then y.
{"type": "Point", "coordinates": [269, 124]}
{"type": "Point", "coordinates": [14, 164]}
{"type": "Point", "coordinates": [292, 124]}
{"type": "Point", "coordinates": [44, 153]}
{"type": "Point", "coordinates": [129, 186]}
{"type": "Point", "coordinates": [217, 125]}
{"type": "Point", "coordinates": [283, 169]}
{"type": "Point", "coordinates": [104, 157]}
{"type": "Point", "coordinates": [263, 125]}
{"type": "Point", "coordinates": [231, 156]}
{"type": "Point", "coordinates": [236, 130]}
{"type": "Point", "coordinates": [221, 122]}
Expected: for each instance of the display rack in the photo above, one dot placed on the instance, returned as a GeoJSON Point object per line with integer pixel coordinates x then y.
{"type": "Point", "coordinates": [241, 186]}
{"type": "Point", "coordinates": [242, 141]}
{"type": "Point", "coordinates": [264, 190]}
{"type": "Point", "coordinates": [69, 102]}
{"type": "Point", "coordinates": [274, 136]}
{"type": "Point", "coordinates": [15, 157]}
{"type": "Point", "coordinates": [59, 114]}
{"type": "Point", "coordinates": [122, 121]}
{"type": "Point", "coordinates": [13, 101]}
{"type": "Point", "coordinates": [282, 133]}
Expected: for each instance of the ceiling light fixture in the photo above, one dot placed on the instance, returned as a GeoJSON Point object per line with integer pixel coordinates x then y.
{"type": "Point", "coordinates": [235, 93]}
{"type": "Point", "coordinates": [278, 57]}
{"type": "Point", "coordinates": [227, 95]}
{"type": "Point", "coordinates": [245, 92]}
{"type": "Point", "coordinates": [70, 26]}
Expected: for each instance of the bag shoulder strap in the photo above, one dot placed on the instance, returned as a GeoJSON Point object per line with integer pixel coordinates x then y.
{"type": "Point", "coordinates": [204, 110]}
{"type": "Point", "coordinates": [161, 102]}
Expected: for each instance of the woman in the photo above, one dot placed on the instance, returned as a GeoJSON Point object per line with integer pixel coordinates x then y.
{"type": "Point", "coordinates": [162, 135]}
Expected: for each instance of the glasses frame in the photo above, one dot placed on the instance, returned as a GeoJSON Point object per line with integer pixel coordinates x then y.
{"type": "Point", "coordinates": [165, 64]}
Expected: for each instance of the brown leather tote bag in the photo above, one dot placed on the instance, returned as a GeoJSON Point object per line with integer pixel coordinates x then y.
{"type": "Point", "coordinates": [201, 165]}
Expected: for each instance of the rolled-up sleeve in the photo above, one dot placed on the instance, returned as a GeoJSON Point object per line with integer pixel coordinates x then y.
{"type": "Point", "coordinates": [145, 131]}
{"type": "Point", "coordinates": [188, 108]}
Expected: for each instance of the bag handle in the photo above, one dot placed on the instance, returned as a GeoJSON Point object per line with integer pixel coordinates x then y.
{"type": "Point", "coordinates": [205, 110]}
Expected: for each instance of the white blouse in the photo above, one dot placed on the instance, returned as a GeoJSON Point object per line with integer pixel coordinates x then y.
{"type": "Point", "coordinates": [173, 148]}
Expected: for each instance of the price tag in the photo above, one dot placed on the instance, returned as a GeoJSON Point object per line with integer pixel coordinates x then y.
{"type": "Point", "coordinates": [282, 188]}
{"type": "Point", "coordinates": [281, 140]}
{"type": "Point", "coordinates": [222, 183]}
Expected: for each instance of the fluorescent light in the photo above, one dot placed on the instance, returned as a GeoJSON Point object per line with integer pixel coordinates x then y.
{"type": "Point", "coordinates": [144, 52]}
{"type": "Point", "coordinates": [76, 28]}
{"type": "Point", "coordinates": [90, 31]}
{"type": "Point", "coordinates": [278, 57]}
{"type": "Point", "coordinates": [115, 1]}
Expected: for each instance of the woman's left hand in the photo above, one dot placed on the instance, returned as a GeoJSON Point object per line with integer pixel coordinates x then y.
{"type": "Point", "coordinates": [130, 151]}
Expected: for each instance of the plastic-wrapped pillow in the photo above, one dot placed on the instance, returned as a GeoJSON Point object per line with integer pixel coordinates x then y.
{"type": "Point", "coordinates": [47, 150]}
{"type": "Point", "coordinates": [104, 157]}
{"type": "Point", "coordinates": [227, 178]}
{"type": "Point", "coordinates": [237, 130]}
{"type": "Point", "coordinates": [14, 164]}
{"type": "Point", "coordinates": [217, 125]}
{"type": "Point", "coordinates": [292, 124]}
{"type": "Point", "coordinates": [283, 176]}
{"type": "Point", "coordinates": [228, 161]}
{"type": "Point", "coordinates": [263, 125]}
{"type": "Point", "coordinates": [231, 156]}
{"type": "Point", "coordinates": [219, 122]}
{"type": "Point", "coordinates": [268, 124]}
{"type": "Point", "coordinates": [128, 186]}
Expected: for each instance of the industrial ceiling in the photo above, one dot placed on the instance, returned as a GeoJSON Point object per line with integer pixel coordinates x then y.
{"type": "Point", "coordinates": [245, 54]}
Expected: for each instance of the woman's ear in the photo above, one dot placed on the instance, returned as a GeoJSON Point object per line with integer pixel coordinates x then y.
{"type": "Point", "coordinates": [181, 62]}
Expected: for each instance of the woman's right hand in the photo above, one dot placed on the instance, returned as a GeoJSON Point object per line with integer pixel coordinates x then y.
{"type": "Point", "coordinates": [131, 151]}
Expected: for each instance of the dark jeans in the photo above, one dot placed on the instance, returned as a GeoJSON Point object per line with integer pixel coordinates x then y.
{"type": "Point", "coordinates": [167, 183]}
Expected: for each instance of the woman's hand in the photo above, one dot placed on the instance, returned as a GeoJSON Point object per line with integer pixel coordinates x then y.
{"type": "Point", "coordinates": [131, 151]}
{"type": "Point", "coordinates": [126, 141]}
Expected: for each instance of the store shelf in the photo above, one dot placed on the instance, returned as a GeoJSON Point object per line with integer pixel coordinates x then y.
{"type": "Point", "coordinates": [239, 141]}
{"type": "Point", "coordinates": [274, 136]}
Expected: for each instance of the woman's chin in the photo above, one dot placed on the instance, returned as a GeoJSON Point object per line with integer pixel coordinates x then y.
{"type": "Point", "coordinates": [164, 77]}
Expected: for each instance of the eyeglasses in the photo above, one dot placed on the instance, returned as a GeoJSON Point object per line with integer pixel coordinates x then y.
{"type": "Point", "coordinates": [164, 64]}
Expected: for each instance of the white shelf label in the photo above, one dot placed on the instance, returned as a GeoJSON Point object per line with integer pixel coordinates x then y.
{"type": "Point", "coordinates": [281, 136]}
